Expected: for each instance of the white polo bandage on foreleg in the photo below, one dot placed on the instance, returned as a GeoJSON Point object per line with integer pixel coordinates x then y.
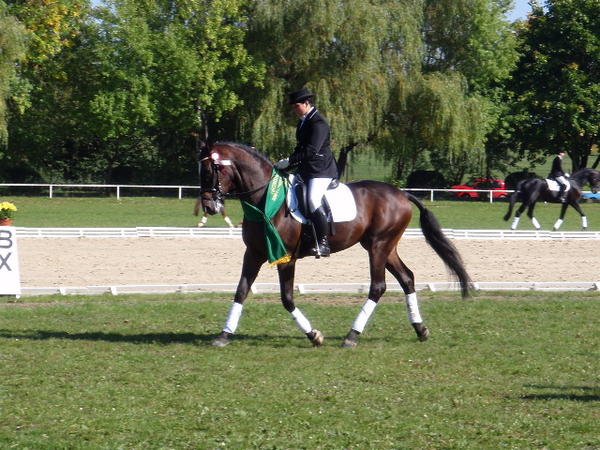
{"type": "Point", "coordinates": [233, 317]}
{"type": "Point", "coordinates": [412, 308]}
{"type": "Point", "coordinates": [583, 221]}
{"type": "Point", "coordinates": [301, 320]}
{"type": "Point", "coordinates": [363, 316]}
{"type": "Point", "coordinates": [558, 223]}
{"type": "Point", "coordinates": [535, 223]}
{"type": "Point", "coordinates": [228, 221]}
{"type": "Point", "coordinates": [514, 224]}
{"type": "Point", "coordinates": [203, 220]}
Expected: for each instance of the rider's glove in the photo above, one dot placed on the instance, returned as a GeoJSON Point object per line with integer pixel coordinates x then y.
{"type": "Point", "coordinates": [282, 163]}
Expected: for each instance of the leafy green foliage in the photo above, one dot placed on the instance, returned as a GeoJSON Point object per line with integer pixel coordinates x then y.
{"type": "Point", "coordinates": [557, 88]}
{"type": "Point", "coordinates": [12, 49]}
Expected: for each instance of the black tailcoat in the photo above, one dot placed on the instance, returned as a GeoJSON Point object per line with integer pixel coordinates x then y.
{"type": "Point", "coordinates": [556, 170]}
{"type": "Point", "coordinates": [312, 154]}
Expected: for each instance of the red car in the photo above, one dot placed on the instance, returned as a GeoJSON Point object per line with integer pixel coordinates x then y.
{"type": "Point", "coordinates": [468, 190]}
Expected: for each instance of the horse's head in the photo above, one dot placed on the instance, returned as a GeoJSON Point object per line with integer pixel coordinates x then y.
{"type": "Point", "coordinates": [229, 169]}
{"type": "Point", "coordinates": [595, 181]}
{"type": "Point", "coordinates": [214, 181]}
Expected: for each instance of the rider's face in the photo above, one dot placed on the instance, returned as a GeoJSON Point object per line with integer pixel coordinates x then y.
{"type": "Point", "coordinates": [301, 108]}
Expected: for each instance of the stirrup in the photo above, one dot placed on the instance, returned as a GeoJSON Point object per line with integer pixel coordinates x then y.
{"type": "Point", "coordinates": [321, 249]}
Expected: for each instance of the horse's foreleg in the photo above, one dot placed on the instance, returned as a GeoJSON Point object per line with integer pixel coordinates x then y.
{"type": "Point", "coordinates": [577, 208]}
{"type": "Point", "coordinates": [406, 279]}
{"type": "Point", "coordinates": [286, 286]}
{"type": "Point", "coordinates": [559, 221]}
{"type": "Point", "coordinates": [250, 269]}
{"type": "Point", "coordinates": [376, 290]}
{"type": "Point", "coordinates": [534, 221]}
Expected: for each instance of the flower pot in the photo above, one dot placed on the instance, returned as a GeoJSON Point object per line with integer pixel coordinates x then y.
{"type": "Point", "coordinates": [6, 222]}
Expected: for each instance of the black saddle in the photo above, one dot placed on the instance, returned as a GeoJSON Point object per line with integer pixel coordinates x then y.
{"type": "Point", "coordinates": [301, 192]}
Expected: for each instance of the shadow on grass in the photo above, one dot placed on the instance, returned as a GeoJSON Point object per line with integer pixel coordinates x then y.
{"type": "Point", "coordinates": [559, 393]}
{"type": "Point", "coordinates": [260, 340]}
{"type": "Point", "coordinates": [160, 338]}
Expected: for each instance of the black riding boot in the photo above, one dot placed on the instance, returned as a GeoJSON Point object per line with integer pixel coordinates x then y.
{"type": "Point", "coordinates": [319, 220]}
{"type": "Point", "coordinates": [561, 193]}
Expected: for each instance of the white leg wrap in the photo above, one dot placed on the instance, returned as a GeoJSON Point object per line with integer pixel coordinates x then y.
{"type": "Point", "coordinates": [515, 222]}
{"type": "Point", "coordinates": [412, 308]}
{"type": "Point", "coordinates": [583, 222]}
{"type": "Point", "coordinates": [301, 320]}
{"type": "Point", "coordinates": [535, 223]}
{"type": "Point", "coordinates": [363, 316]}
{"type": "Point", "coordinates": [558, 223]}
{"type": "Point", "coordinates": [233, 317]}
{"type": "Point", "coordinates": [228, 221]}
{"type": "Point", "coordinates": [202, 221]}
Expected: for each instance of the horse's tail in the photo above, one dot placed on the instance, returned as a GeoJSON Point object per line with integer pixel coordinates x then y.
{"type": "Point", "coordinates": [443, 247]}
{"type": "Point", "coordinates": [513, 199]}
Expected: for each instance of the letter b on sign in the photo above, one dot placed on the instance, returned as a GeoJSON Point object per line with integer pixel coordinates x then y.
{"type": "Point", "coordinates": [10, 281]}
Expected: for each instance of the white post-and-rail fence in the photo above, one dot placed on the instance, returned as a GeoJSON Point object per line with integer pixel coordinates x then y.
{"type": "Point", "coordinates": [141, 232]}
{"type": "Point", "coordinates": [308, 288]}
{"type": "Point", "coordinates": [119, 188]}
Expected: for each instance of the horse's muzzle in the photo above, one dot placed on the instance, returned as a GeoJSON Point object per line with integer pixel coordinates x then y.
{"type": "Point", "coordinates": [211, 205]}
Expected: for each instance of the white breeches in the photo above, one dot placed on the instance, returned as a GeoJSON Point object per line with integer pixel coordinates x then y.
{"type": "Point", "coordinates": [316, 190]}
{"type": "Point", "coordinates": [562, 180]}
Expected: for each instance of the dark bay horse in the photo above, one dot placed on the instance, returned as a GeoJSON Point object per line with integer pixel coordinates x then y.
{"type": "Point", "coordinates": [383, 213]}
{"type": "Point", "coordinates": [533, 190]}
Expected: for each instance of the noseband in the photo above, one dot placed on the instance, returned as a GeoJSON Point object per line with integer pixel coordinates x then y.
{"type": "Point", "coordinates": [216, 190]}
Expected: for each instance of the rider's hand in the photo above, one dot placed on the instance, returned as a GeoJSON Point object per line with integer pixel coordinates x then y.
{"type": "Point", "coordinates": [282, 164]}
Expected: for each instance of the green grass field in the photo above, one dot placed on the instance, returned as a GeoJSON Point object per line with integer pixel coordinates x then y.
{"type": "Point", "coordinates": [502, 370]}
{"type": "Point", "coordinates": [164, 211]}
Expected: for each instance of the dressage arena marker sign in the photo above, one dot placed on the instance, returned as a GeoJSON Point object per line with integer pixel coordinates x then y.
{"type": "Point", "coordinates": [10, 280]}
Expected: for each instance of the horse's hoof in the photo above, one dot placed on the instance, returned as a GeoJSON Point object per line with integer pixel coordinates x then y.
{"type": "Point", "coordinates": [221, 340]}
{"type": "Point", "coordinates": [316, 338]}
{"type": "Point", "coordinates": [422, 331]}
{"type": "Point", "coordinates": [351, 339]}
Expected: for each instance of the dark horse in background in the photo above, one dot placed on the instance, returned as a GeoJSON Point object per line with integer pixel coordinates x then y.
{"type": "Point", "coordinates": [536, 189]}
{"type": "Point", "coordinates": [383, 213]}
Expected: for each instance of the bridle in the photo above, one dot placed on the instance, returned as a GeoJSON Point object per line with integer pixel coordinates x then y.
{"type": "Point", "coordinates": [216, 188]}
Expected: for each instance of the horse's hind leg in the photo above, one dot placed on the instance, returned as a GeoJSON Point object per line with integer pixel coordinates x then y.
{"type": "Point", "coordinates": [286, 286]}
{"type": "Point", "coordinates": [407, 280]}
{"type": "Point", "coordinates": [376, 290]}
{"type": "Point", "coordinates": [250, 269]}
{"type": "Point", "coordinates": [518, 212]}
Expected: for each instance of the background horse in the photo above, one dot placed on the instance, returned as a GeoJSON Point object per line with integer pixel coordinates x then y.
{"type": "Point", "coordinates": [536, 189]}
{"type": "Point", "coordinates": [384, 212]}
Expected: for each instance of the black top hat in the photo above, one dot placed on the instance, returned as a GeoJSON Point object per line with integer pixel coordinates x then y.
{"type": "Point", "coordinates": [300, 95]}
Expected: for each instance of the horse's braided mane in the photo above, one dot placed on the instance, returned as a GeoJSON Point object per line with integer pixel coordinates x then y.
{"type": "Point", "coordinates": [250, 150]}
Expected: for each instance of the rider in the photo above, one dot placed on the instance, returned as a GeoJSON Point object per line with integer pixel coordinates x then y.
{"type": "Point", "coordinates": [315, 161]}
{"type": "Point", "coordinates": [558, 175]}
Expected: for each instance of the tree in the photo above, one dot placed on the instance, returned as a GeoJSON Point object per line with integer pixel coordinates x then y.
{"type": "Point", "coordinates": [387, 75]}
{"type": "Point", "coordinates": [557, 81]}
{"type": "Point", "coordinates": [12, 50]}
{"type": "Point", "coordinates": [124, 97]}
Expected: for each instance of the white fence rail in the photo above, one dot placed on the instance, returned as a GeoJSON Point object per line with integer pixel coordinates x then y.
{"type": "Point", "coordinates": [119, 189]}
{"type": "Point", "coordinates": [307, 288]}
{"type": "Point", "coordinates": [451, 233]}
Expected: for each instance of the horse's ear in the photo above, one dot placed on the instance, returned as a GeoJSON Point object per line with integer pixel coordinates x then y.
{"type": "Point", "coordinates": [202, 148]}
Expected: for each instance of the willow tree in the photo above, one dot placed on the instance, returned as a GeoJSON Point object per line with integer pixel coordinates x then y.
{"type": "Point", "coordinates": [12, 49]}
{"type": "Point", "coordinates": [404, 78]}
{"type": "Point", "coordinates": [340, 50]}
